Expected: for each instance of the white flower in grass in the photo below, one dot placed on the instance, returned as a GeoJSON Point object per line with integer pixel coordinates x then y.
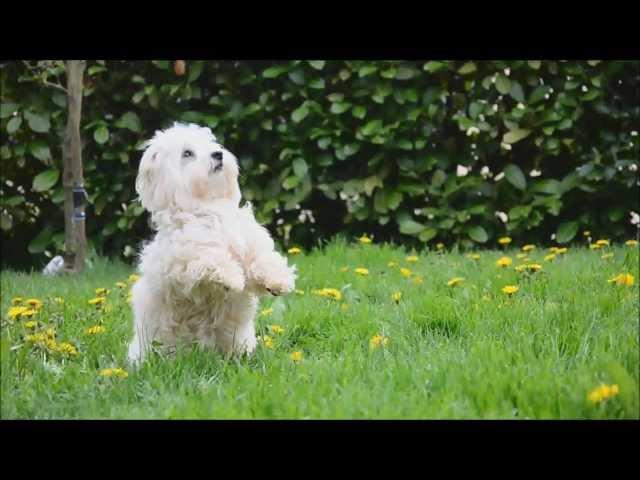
{"type": "Point", "coordinates": [495, 107]}
{"type": "Point", "coordinates": [504, 218]}
{"type": "Point", "coordinates": [506, 146]}
{"type": "Point", "coordinates": [462, 171]}
{"type": "Point", "coordinates": [553, 236]}
{"type": "Point", "coordinates": [417, 211]}
{"type": "Point", "coordinates": [499, 177]}
{"type": "Point", "coordinates": [584, 88]}
{"type": "Point", "coordinates": [546, 96]}
{"type": "Point", "coordinates": [507, 71]}
{"type": "Point", "coordinates": [485, 172]}
{"type": "Point", "coordinates": [481, 117]}
{"type": "Point", "coordinates": [535, 173]}
{"type": "Point", "coordinates": [633, 167]}
{"type": "Point", "coordinates": [520, 106]}
{"type": "Point", "coordinates": [635, 218]}
{"type": "Point", "coordinates": [280, 221]}
{"type": "Point", "coordinates": [634, 133]}
{"type": "Point", "coordinates": [472, 131]}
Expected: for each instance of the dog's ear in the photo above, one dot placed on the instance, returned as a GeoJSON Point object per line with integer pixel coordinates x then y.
{"type": "Point", "coordinates": [148, 180]}
{"type": "Point", "coordinates": [232, 171]}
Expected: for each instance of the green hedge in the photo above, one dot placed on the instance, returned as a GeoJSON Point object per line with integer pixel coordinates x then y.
{"type": "Point", "coordinates": [398, 149]}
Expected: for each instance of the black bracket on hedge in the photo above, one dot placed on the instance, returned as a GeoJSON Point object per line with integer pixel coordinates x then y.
{"type": "Point", "coordinates": [80, 198]}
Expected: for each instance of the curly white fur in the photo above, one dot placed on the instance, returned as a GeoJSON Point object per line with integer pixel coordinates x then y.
{"type": "Point", "coordinates": [210, 260]}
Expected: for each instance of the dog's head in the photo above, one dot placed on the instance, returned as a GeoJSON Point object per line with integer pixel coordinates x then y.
{"type": "Point", "coordinates": [184, 166]}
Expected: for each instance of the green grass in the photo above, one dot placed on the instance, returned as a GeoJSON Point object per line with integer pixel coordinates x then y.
{"type": "Point", "coordinates": [467, 351]}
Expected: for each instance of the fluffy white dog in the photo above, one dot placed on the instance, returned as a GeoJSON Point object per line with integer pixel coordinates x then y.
{"type": "Point", "coordinates": [210, 260]}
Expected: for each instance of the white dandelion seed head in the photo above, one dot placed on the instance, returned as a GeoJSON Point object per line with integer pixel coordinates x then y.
{"type": "Point", "coordinates": [546, 96]}
{"type": "Point", "coordinates": [635, 218]}
{"type": "Point", "coordinates": [485, 172]}
{"type": "Point", "coordinates": [633, 167]}
{"type": "Point", "coordinates": [462, 171]}
{"type": "Point", "coordinates": [504, 218]}
{"type": "Point", "coordinates": [417, 211]}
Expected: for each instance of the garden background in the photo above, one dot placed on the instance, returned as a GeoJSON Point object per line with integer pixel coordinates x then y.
{"type": "Point", "coordinates": [416, 152]}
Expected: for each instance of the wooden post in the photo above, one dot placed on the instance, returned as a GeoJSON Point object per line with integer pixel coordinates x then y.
{"type": "Point", "coordinates": [74, 228]}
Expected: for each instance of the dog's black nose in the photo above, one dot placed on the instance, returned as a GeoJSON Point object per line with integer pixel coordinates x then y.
{"type": "Point", "coordinates": [216, 155]}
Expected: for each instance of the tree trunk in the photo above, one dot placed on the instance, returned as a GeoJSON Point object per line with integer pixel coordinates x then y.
{"type": "Point", "coordinates": [74, 230]}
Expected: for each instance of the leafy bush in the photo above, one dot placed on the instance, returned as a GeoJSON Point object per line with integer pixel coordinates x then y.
{"type": "Point", "coordinates": [435, 151]}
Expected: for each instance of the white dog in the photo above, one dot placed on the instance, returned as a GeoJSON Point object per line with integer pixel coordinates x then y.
{"type": "Point", "coordinates": [210, 260]}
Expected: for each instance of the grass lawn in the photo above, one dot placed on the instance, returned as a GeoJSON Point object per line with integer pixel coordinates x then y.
{"type": "Point", "coordinates": [465, 350]}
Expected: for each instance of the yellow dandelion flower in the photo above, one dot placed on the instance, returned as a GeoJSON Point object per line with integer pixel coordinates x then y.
{"type": "Point", "coordinates": [504, 240]}
{"type": "Point", "coordinates": [405, 272]}
{"type": "Point", "coordinates": [95, 330]}
{"type": "Point", "coordinates": [549, 258]}
{"type": "Point", "coordinates": [344, 269]}
{"type": "Point", "coordinates": [276, 329]}
{"type": "Point", "coordinates": [101, 292]}
{"type": "Point", "coordinates": [631, 243]}
{"type": "Point", "coordinates": [392, 264]}
{"type": "Point", "coordinates": [68, 348]}
{"type": "Point", "coordinates": [603, 242]}
{"type": "Point", "coordinates": [133, 278]}
{"type": "Point", "coordinates": [473, 256]}
{"type": "Point", "coordinates": [31, 324]}
{"type": "Point", "coordinates": [553, 249]}
{"type": "Point", "coordinates": [266, 312]}
{"type": "Point", "coordinates": [58, 300]}
{"type": "Point", "coordinates": [396, 297]}
{"type": "Point", "coordinates": [603, 392]}
{"type": "Point", "coordinates": [267, 341]}
{"type": "Point", "coordinates": [16, 300]}
{"type": "Point", "coordinates": [299, 292]}
{"type": "Point", "coordinates": [121, 285]}
{"type": "Point", "coordinates": [294, 251]}
{"type": "Point", "coordinates": [439, 246]}
{"type": "Point", "coordinates": [504, 262]}
{"type": "Point", "coordinates": [606, 256]}
{"type": "Point", "coordinates": [361, 271]}
{"type": "Point", "coordinates": [364, 240]}
{"type": "Point", "coordinates": [50, 332]}
{"type": "Point", "coordinates": [510, 289]}
{"type": "Point", "coordinates": [329, 292]}
{"type": "Point", "coordinates": [595, 246]}
{"type": "Point", "coordinates": [455, 281]}
{"type": "Point", "coordinates": [15, 312]}
{"type": "Point", "coordinates": [625, 279]}
{"type": "Point", "coordinates": [97, 301]}
{"type": "Point", "coordinates": [378, 340]}
{"type": "Point", "coordinates": [561, 250]}
{"type": "Point", "coordinates": [296, 356]}
{"type": "Point", "coordinates": [586, 233]}
{"type": "Point", "coordinates": [412, 259]}
{"type": "Point", "coordinates": [35, 303]}
{"type": "Point", "coordinates": [113, 372]}
{"type": "Point", "coordinates": [29, 312]}
{"type": "Point", "coordinates": [528, 248]}
{"type": "Point", "coordinates": [529, 267]}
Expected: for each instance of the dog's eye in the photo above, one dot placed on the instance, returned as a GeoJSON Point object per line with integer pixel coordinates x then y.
{"type": "Point", "coordinates": [187, 154]}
